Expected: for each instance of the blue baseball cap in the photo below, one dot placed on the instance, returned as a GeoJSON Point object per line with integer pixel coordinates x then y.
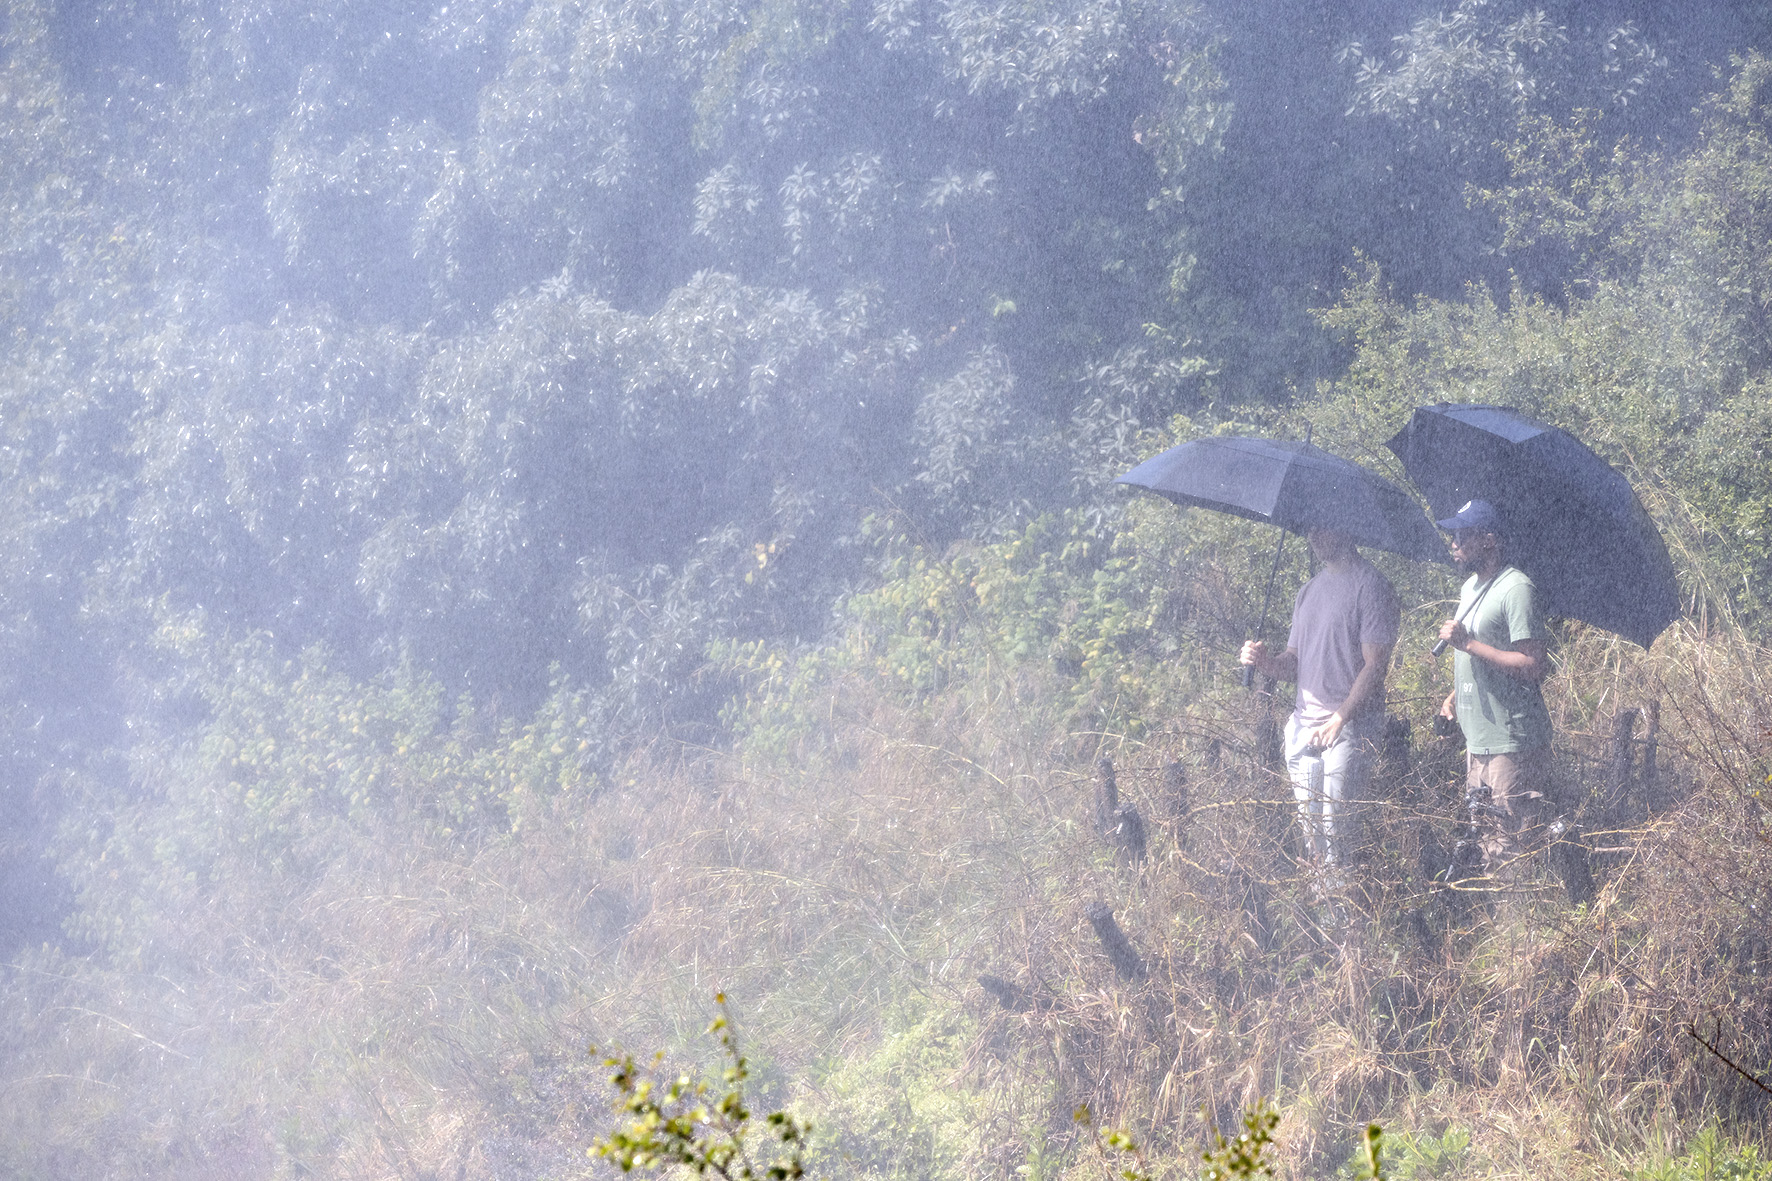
{"type": "Point", "coordinates": [1476, 514]}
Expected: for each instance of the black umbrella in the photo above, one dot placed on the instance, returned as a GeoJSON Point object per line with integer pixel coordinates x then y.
{"type": "Point", "coordinates": [1570, 520]}
{"type": "Point", "coordinates": [1293, 485]}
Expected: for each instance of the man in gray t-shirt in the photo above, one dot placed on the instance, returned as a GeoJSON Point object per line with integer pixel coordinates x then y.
{"type": "Point", "coordinates": [1344, 627]}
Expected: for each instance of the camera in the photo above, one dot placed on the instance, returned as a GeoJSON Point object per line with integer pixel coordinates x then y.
{"type": "Point", "coordinates": [1444, 726]}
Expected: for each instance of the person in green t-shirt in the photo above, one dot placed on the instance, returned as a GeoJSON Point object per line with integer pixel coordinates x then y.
{"type": "Point", "coordinates": [1501, 661]}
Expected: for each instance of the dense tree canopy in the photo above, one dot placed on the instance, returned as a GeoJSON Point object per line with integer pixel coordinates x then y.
{"type": "Point", "coordinates": [508, 341]}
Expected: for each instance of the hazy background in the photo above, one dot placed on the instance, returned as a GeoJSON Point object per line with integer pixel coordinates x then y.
{"type": "Point", "coordinates": [509, 359]}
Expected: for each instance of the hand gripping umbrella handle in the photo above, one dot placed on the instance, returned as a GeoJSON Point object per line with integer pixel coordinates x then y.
{"type": "Point", "coordinates": [1440, 645]}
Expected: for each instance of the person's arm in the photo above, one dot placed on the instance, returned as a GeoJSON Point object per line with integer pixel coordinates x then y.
{"type": "Point", "coordinates": [1283, 667]}
{"type": "Point", "coordinates": [1525, 661]}
{"type": "Point", "coordinates": [1368, 684]}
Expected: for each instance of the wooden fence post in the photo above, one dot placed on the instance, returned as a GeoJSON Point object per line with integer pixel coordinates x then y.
{"type": "Point", "coordinates": [1113, 940]}
{"type": "Point", "coordinates": [1107, 796]}
{"type": "Point", "coordinates": [1119, 823]}
{"type": "Point", "coordinates": [1651, 739]}
{"type": "Point", "coordinates": [1128, 835]}
{"type": "Point", "coordinates": [1618, 781]}
{"type": "Point", "coordinates": [1008, 995]}
{"type": "Point", "coordinates": [1175, 791]}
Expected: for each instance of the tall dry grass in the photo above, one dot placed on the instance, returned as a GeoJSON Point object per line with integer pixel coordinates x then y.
{"type": "Point", "coordinates": [423, 1008]}
{"type": "Point", "coordinates": [938, 845]}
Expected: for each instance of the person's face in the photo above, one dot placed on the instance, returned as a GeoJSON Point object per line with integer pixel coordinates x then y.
{"type": "Point", "coordinates": [1472, 548]}
{"type": "Point", "coordinates": [1329, 545]}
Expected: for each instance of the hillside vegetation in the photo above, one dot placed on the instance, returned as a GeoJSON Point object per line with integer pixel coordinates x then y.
{"type": "Point", "coordinates": [356, 935]}
{"type": "Point", "coordinates": [381, 778]}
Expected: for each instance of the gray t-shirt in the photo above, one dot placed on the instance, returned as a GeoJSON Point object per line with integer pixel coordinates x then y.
{"type": "Point", "coordinates": [1335, 612]}
{"type": "Point", "coordinates": [1499, 714]}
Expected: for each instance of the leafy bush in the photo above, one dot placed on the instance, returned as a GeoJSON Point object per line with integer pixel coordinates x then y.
{"type": "Point", "coordinates": [701, 1125]}
{"type": "Point", "coordinates": [1707, 1157]}
{"type": "Point", "coordinates": [1409, 1156]}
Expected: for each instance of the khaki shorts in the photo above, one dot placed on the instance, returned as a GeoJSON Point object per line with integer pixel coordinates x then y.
{"type": "Point", "coordinates": [1519, 786]}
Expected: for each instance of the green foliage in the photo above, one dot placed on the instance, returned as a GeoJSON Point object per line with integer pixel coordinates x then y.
{"type": "Point", "coordinates": [1411, 1155]}
{"type": "Point", "coordinates": [699, 1124]}
{"type": "Point", "coordinates": [1557, 188]}
{"type": "Point", "coordinates": [301, 768]}
{"type": "Point", "coordinates": [964, 428]}
{"type": "Point", "coordinates": [906, 1108]}
{"type": "Point", "coordinates": [1459, 72]}
{"type": "Point", "coordinates": [498, 337]}
{"type": "Point", "coordinates": [1708, 1156]}
{"type": "Point", "coordinates": [1123, 628]}
{"type": "Point", "coordinates": [1245, 1154]}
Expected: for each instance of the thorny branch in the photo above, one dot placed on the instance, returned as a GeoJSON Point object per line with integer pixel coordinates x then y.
{"type": "Point", "coordinates": [1711, 1045]}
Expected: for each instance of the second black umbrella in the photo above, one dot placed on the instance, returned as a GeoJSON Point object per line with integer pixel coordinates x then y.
{"type": "Point", "coordinates": [1570, 520]}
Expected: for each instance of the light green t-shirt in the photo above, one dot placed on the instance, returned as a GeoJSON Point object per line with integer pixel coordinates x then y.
{"type": "Point", "coordinates": [1498, 713]}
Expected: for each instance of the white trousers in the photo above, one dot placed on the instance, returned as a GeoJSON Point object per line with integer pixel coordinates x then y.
{"type": "Point", "coordinates": [1329, 788]}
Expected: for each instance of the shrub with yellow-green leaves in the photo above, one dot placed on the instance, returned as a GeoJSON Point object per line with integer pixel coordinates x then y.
{"type": "Point", "coordinates": [1112, 631]}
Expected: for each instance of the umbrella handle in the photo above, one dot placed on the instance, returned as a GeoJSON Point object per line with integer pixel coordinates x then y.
{"type": "Point", "coordinates": [1441, 645]}
{"type": "Point", "coordinates": [1267, 600]}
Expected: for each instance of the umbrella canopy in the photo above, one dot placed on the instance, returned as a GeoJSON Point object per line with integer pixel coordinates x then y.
{"type": "Point", "coordinates": [1294, 485]}
{"type": "Point", "coordinates": [1569, 519]}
